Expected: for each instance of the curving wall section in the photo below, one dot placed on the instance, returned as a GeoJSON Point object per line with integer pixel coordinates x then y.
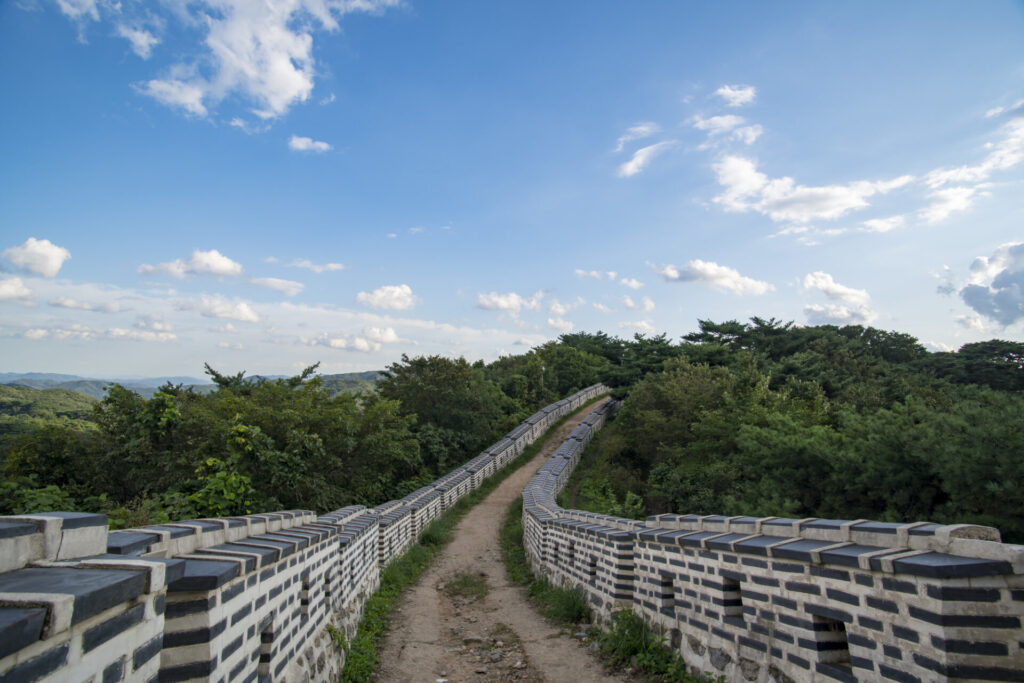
{"type": "Point", "coordinates": [233, 599]}
{"type": "Point", "coordinates": [781, 600]}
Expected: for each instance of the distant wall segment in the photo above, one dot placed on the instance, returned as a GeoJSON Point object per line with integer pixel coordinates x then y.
{"type": "Point", "coordinates": [779, 600]}
{"type": "Point", "coordinates": [235, 599]}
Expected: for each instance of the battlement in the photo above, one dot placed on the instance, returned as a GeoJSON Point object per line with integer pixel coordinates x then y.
{"type": "Point", "coordinates": [238, 598]}
{"type": "Point", "coordinates": [774, 599]}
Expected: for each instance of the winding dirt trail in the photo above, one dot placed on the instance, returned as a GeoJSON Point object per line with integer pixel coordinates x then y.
{"type": "Point", "coordinates": [435, 635]}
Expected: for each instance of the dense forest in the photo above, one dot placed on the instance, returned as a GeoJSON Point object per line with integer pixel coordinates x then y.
{"type": "Point", "coordinates": [767, 418]}
{"type": "Point", "coordinates": [256, 444]}
{"type": "Point", "coordinates": [758, 418]}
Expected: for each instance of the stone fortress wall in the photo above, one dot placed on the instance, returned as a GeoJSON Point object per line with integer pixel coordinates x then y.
{"type": "Point", "coordinates": [241, 599]}
{"type": "Point", "coordinates": [780, 600]}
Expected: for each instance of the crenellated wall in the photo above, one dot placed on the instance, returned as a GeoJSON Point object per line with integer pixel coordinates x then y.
{"type": "Point", "coordinates": [235, 599]}
{"type": "Point", "coordinates": [770, 599]}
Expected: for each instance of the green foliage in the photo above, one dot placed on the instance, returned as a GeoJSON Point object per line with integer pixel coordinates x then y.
{"type": "Point", "coordinates": [632, 642]}
{"type": "Point", "coordinates": [467, 585]}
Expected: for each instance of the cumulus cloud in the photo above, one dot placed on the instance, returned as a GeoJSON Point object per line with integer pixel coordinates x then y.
{"type": "Point", "coordinates": [511, 302]}
{"type": "Point", "coordinates": [371, 340]}
{"type": "Point", "coordinates": [301, 144]}
{"type": "Point", "coordinates": [141, 40]}
{"type": "Point", "coordinates": [713, 275]}
{"type": "Point", "coordinates": [80, 10]}
{"type": "Point", "coordinates": [563, 326]}
{"type": "Point", "coordinates": [220, 307]}
{"type": "Point", "coordinates": [1003, 155]}
{"type": "Point", "coordinates": [261, 51]}
{"type": "Point", "coordinates": [737, 95]}
{"type": "Point", "coordinates": [392, 297]}
{"type": "Point", "coordinates": [642, 130]}
{"type": "Point", "coordinates": [140, 335]}
{"type": "Point", "coordinates": [12, 288]}
{"type": "Point", "coordinates": [39, 257]}
{"type": "Point", "coordinates": [210, 262]}
{"type": "Point", "coordinates": [642, 157]}
{"type": "Point", "coordinates": [782, 199]}
{"type": "Point", "coordinates": [286, 287]}
{"type": "Point", "coordinates": [995, 287]}
{"type": "Point", "coordinates": [644, 304]}
{"type": "Point", "coordinates": [853, 307]}
{"type": "Point", "coordinates": [949, 200]}
{"type": "Point", "coordinates": [631, 282]}
{"type": "Point", "coordinates": [315, 267]}
{"type": "Point", "coordinates": [603, 308]}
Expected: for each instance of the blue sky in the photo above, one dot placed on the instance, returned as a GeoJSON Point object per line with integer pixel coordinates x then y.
{"type": "Point", "coordinates": [263, 185]}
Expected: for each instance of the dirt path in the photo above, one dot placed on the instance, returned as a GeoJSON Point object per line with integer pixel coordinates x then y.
{"type": "Point", "coordinates": [437, 635]}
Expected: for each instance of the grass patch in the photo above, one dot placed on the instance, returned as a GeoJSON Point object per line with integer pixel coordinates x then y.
{"type": "Point", "coordinates": [469, 585]}
{"type": "Point", "coordinates": [363, 657]}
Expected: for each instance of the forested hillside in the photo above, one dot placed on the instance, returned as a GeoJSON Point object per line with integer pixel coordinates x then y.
{"type": "Point", "coordinates": [770, 419]}
{"type": "Point", "coordinates": [261, 444]}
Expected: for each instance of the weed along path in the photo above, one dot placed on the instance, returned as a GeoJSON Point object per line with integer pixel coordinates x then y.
{"type": "Point", "coordinates": [465, 621]}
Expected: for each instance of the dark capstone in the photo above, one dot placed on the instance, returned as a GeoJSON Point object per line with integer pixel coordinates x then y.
{"type": "Point", "coordinates": [19, 628]}
{"type": "Point", "coordinates": [129, 542]}
{"type": "Point", "coordinates": [101, 633]}
{"type": "Point", "coordinates": [204, 575]}
{"type": "Point", "coordinates": [174, 531]}
{"type": "Point", "coordinates": [76, 520]}
{"type": "Point", "coordinates": [942, 566]}
{"type": "Point", "coordinates": [94, 590]}
{"type": "Point", "coordinates": [146, 652]}
{"type": "Point", "coordinates": [37, 667]}
{"type": "Point", "coordinates": [12, 529]}
{"type": "Point", "coordinates": [114, 672]}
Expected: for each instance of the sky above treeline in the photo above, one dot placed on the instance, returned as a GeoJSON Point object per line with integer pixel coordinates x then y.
{"type": "Point", "coordinates": [265, 185]}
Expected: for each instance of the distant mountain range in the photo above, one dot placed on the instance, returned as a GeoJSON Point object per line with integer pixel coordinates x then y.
{"type": "Point", "coordinates": [147, 386]}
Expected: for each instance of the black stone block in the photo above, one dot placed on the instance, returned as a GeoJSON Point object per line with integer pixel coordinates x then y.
{"type": "Point", "coordinates": [942, 566]}
{"type": "Point", "coordinates": [95, 590]}
{"type": "Point", "coordinates": [19, 628]}
{"type": "Point", "coordinates": [204, 575]}
{"type": "Point", "coordinates": [101, 633]}
{"type": "Point", "coordinates": [129, 542]}
{"type": "Point", "coordinates": [76, 520]}
{"type": "Point", "coordinates": [37, 667]}
{"type": "Point", "coordinates": [14, 529]}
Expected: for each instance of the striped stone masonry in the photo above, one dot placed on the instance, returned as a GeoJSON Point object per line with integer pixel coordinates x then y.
{"type": "Point", "coordinates": [244, 599]}
{"type": "Point", "coordinates": [780, 600]}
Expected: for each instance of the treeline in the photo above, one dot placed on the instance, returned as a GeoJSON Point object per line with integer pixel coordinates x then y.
{"type": "Point", "coordinates": [256, 444]}
{"type": "Point", "coordinates": [766, 418]}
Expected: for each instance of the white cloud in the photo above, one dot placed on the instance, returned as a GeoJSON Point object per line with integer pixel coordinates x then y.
{"type": "Point", "coordinates": [737, 95]}
{"type": "Point", "coordinates": [972, 322]}
{"type": "Point", "coordinates": [36, 333]}
{"type": "Point", "coordinates": [597, 274]}
{"type": "Point", "coordinates": [142, 41]}
{"type": "Point", "coordinates": [781, 199]}
{"type": "Point", "coordinates": [210, 262]}
{"type": "Point", "coordinates": [642, 130]}
{"type": "Point", "coordinates": [12, 288]}
{"type": "Point", "coordinates": [381, 335]}
{"type": "Point", "coordinates": [140, 335]}
{"type": "Point", "coordinates": [40, 257]}
{"type": "Point", "coordinates": [632, 283]}
{"type": "Point", "coordinates": [884, 224]}
{"type": "Point", "coordinates": [641, 326]}
{"type": "Point", "coordinates": [715, 276]}
{"type": "Point", "coordinates": [563, 326]}
{"type": "Point", "coordinates": [644, 304]}
{"type": "Point", "coordinates": [68, 302]}
{"type": "Point", "coordinates": [177, 93]}
{"type": "Point", "coordinates": [824, 283]}
{"type": "Point", "coordinates": [948, 201]}
{"type": "Point", "coordinates": [327, 100]}
{"type": "Point", "coordinates": [934, 346]}
{"type": "Point", "coordinates": [511, 302]}
{"type": "Point", "coordinates": [995, 287]}
{"type": "Point", "coordinates": [228, 345]}
{"type": "Point", "coordinates": [302, 144]}
{"type": "Point", "coordinates": [839, 314]}
{"type": "Point", "coordinates": [854, 308]}
{"type": "Point", "coordinates": [393, 297]}
{"type": "Point", "coordinates": [315, 267]}
{"type": "Point", "coordinates": [1004, 155]}
{"type": "Point", "coordinates": [78, 10]}
{"type": "Point", "coordinates": [603, 308]}
{"type": "Point", "coordinates": [559, 308]}
{"type": "Point", "coordinates": [717, 125]}
{"type": "Point", "coordinates": [286, 287]}
{"type": "Point", "coordinates": [261, 51]}
{"type": "Point", "coordinates": [642, 157]}
{"type": "Point", "coordinates": [220, 307]}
